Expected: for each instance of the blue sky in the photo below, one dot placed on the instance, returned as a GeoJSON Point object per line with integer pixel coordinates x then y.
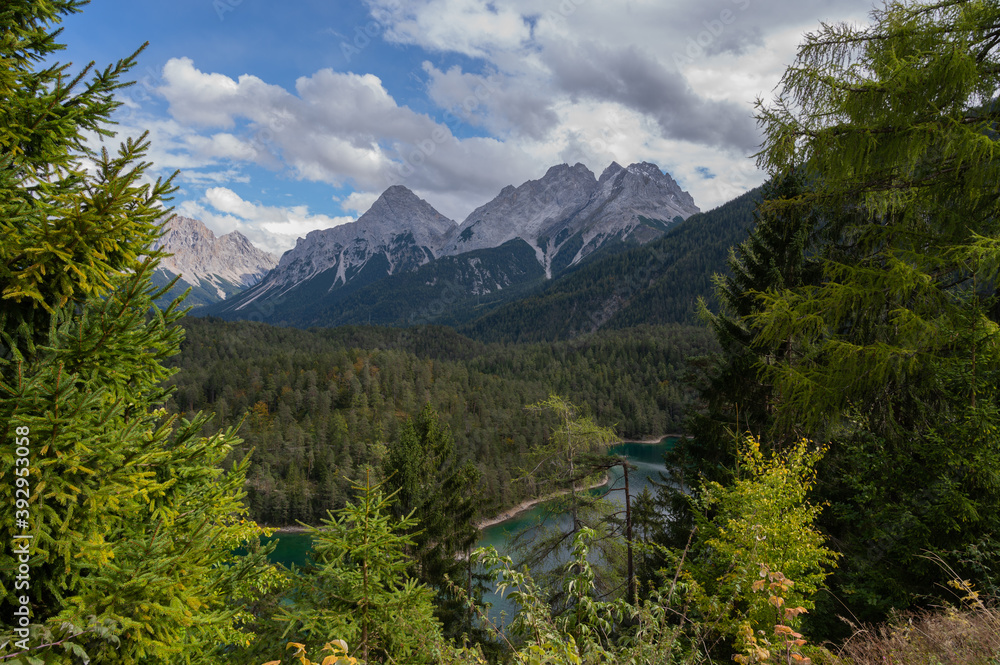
{"type": "Point", "coordinates": [284, 117]}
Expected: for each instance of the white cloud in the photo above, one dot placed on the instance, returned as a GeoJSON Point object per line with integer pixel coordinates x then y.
{"type": "Point", "coordinates": [667, 81]}
{"type": "Point", "coordinates": [359, 202]}
{"type": "Point", "coordinates": [471, 27]}
{"type": "Point", "coordinates": [272, 228]}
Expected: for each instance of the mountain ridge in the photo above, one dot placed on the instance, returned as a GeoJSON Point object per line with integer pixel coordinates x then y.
{"type": "Point", "coordinates": [213, 267]}
{"type": "Point", "coordinates": [564, 216]}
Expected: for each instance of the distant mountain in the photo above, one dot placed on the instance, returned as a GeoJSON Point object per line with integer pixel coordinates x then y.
{"type": "Point", "coordinates": [386, 266]}
{"type": "Point", "coordinates": [656, 283]}
{"type": "Point", "coordinates": [399, 233]}
{"type": "Point", "coordinates": [445, 291]}
{"type": "Point", "coordinates": [214, 268]}
{"type": "Point", "coordinates": [568, 213]}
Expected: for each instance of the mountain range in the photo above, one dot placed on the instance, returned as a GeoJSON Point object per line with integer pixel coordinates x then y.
{"type": "Point", "coordinates": [524, 236]}
{"type": "Point", "coordinates": [213, 268]}
{"type": "Point", "coordinates": [554, 257]}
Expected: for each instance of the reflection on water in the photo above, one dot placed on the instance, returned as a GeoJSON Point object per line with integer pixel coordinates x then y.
{"type": "Point", "coordinates": [648, 462]}
{"type": "Point", "coordinates": [646, 458]}
{"type": "Point", "coordinates": [292, 548]}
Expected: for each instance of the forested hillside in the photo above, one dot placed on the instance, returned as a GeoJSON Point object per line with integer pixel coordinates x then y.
{"type": "Point", "coordinates": [325, 402]}
{"type": "Point", "coordinates": [445, 291]}
{"type": "Point", "coordinates": [656, 283]}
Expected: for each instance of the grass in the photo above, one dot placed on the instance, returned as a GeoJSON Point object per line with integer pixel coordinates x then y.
{"type": "Point", "coordinates": [946, 636]}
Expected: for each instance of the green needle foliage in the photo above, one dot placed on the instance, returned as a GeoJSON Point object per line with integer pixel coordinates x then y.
{"type": "Point", "coordinates": [132, 519]}
{"type": "Point", "coordinates": [893, 354]}
{"type": "Point", "coordinates": [894, 124]}
{"type": "Point", "coordinates": [360, 590]}
{"type": "Point", "coordinates": [422, 470]}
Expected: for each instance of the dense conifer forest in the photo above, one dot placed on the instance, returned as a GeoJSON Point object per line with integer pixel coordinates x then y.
{"type": "Point", "coordinates": [323, 403]}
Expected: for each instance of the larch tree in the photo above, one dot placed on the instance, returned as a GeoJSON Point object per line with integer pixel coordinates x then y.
{"type": "Point", "coordinates": [894, 352]}
{"type": "Point", "coordinates": [572, 458]}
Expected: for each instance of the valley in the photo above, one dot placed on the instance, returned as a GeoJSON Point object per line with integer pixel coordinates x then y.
{"type": "Point", "coordinates": [469, 307]}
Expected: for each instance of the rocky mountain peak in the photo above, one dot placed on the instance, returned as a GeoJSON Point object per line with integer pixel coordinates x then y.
{"type": "Point", "coordinates": [568, 202]}
{"type": "Point", "coordinates": [613, 169]}
{"type": "Point", "coordinates": [198, 256]}
{"type": "Point", "coordinates": [400, 208]}
{"type": "Point", "coordinates": [565, 170]}
{"type": "Point", "coordinates": [638, 202]}
{"type": "Point", "coordinates": [398, 233]}
{"type": "Point", "coordinates": [527, 212]}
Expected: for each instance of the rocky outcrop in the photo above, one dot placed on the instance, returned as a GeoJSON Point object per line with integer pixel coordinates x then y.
{"type": "Point", "coordinates": [570, 212]}
{"type": "Point", "coordinates": [213, 264]}
{"type": "Point", "coordinates": [399, 233]}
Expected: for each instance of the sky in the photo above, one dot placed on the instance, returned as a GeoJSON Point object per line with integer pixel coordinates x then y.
{"type": "Point", "coordinates": [284, 117]}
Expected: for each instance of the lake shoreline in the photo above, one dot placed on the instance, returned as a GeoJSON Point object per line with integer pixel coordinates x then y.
{"type": "Point", "coordinates": [528, 504]}
{"type": "Point", "coordinates": [525, 505]}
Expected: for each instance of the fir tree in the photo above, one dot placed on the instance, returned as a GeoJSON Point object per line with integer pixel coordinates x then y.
{"type": "Point", "coordinates": [360, 590]}
{"type": "Point", "coordinates": [735, 397]}
{"type": "Point", "coordinates": [429, 482]}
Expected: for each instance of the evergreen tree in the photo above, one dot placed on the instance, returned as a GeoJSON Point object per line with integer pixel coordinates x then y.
{"type": "Point", "coordinates": [360, 590]}
{"type": "Point", "coordinates": [428, 481]}
{"type": "Point", "coordinates": [129, 517]}
{"type": "Point", "coordinates": [736, 399]}
{"type": "Point", "coordinates": [894, 354]}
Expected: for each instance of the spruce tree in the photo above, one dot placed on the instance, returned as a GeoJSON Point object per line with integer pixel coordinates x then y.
{"type": "Point", "coordinates": [360, 590]}
{"type": "Point", "coordinates": [131, 522]}
{"type": "Point", "coordinates": [429, 482]}
{"type": "Point", "coordinates": [734, 399]}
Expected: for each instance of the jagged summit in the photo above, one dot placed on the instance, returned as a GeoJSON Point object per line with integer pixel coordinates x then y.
{"type": "Point", "coordinates": [570, 212]}
{"type": "Point", "coordinates": [398, 233]}
{"type": "Point", "coordinates": [202, 259]}
{"type": "Point", "coordinates": [610, 172]}
{"type": "Point", "coordinates": [528, 212]}
{"type": "Point", "coordinates": [561, 218]}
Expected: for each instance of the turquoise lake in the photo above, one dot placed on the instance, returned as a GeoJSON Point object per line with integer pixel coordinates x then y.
{"type": "Point", "coordinates": [293, 548]}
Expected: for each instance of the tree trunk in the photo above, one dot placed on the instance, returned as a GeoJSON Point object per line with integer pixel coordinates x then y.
{"type": "Point", "coordinates": [628, 537]}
